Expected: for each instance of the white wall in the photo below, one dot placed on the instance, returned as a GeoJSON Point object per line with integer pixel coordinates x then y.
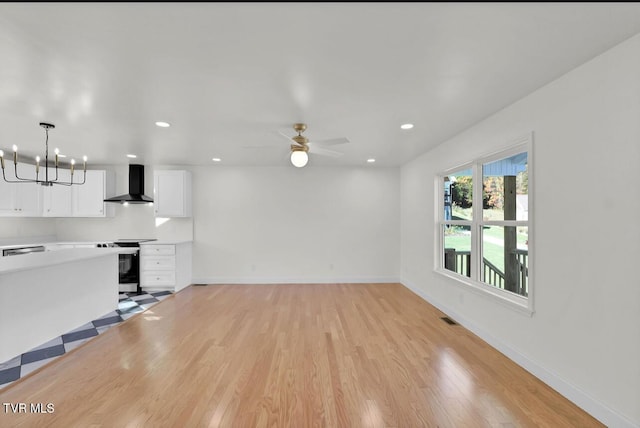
{"type": "Point", "coordinates": [17, 229]}
{"type": "Point", "coordinates": [584, 338]}
{"type": "Point", "coordinates": [284, 224]}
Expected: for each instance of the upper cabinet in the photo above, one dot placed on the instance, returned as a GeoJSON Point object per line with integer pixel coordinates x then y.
{"type": "Point", "coordinates": [172, 193]}
{"type": "Point", "coordinates": [34, 200]}
{"type": "Point", "coordinates": [20, 199]}
{"type": "Point", "coordinates": [56, 199]}
{"type": "Point", "coordinates": [88, 199]}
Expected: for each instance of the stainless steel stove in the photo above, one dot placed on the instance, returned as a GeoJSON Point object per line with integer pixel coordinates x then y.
{"type": "Point", "coordinates": [129, 263]}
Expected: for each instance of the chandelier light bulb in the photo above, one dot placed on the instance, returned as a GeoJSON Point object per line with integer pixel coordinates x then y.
{"type": "Point", "coordinates": [15, 148]}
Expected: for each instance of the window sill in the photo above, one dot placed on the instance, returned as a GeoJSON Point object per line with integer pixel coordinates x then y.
{"type": "Point", "coordinates": [520, 304]}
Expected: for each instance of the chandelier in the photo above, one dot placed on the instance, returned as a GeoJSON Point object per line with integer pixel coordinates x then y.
{"type": "Point", "coordinates": [46, 181]}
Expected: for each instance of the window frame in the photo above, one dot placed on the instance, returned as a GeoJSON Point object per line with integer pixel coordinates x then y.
{"type": "Point", "coordinates": [524, 304]}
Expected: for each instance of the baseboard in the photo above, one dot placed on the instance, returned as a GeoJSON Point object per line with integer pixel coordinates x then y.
{"type": "Point", "coordinates": [282, 280]}
{"type": "Point", "coordinates": [580, 398]}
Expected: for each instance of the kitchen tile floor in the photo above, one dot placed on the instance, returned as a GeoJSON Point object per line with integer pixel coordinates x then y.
{"type": "Point", "coordinates": [129, 305]}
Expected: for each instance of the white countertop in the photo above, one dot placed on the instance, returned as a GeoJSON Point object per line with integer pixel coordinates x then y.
{"type": "Point", "coordinates": [84, 243]}
{"type": "Point", "coordinates": [38, 244]}
{"type": "Point", "coordinates": [49, 258]}
{"type": "Point", "coordinates": [94, 242]}
{"type": "Point", "coordinates": [164, 242]}
{"type": "Point", "coordinates": [31, 244]}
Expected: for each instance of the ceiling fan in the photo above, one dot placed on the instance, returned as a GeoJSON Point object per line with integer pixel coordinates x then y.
{"type": "Point", "coordinates": [302, 147]}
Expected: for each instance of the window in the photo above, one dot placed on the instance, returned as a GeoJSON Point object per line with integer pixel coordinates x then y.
{"type": "Point", "coordinates": [484, 225]}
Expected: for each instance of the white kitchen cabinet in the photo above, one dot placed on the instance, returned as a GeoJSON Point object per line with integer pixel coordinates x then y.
{"type": "Point", "coordinates": [56, 199]}
{"type": "Point", "coordinates": [165, 266]}
{"type": "Point", "coordinates": [6, 198]}
{"type": "Point", "coordinates": [20, 199]}
{"type": "Point", "coordinates": [34, 200]}
{"type": "Point", "coordinates": [172, 193]}
{"type": "Point", "coordinates": [88, 199]}
{"type": "Point", "coordinates": [28, 200]}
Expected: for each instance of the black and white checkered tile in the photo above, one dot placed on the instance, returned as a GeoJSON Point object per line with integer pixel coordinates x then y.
{"type": "Point", "coordinates": [129, 304]}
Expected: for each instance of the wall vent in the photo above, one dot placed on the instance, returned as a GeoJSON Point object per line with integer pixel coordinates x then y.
{"type": "Point", "coordinates": [449, 321]}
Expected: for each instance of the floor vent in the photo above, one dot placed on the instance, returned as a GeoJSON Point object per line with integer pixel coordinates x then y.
{"type": "Point", "coordinates": [449, 321]}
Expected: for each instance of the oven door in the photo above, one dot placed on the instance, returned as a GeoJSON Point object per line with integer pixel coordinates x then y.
{"type": "Point", "coordinates": [129, 269]}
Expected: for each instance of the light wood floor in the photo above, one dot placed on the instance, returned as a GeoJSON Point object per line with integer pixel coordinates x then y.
{"type": "Point", "coordinates": [326, 355]}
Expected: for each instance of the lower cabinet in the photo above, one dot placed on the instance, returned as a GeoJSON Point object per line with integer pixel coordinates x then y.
{"type": "Point", "coordinates": [165, 266]}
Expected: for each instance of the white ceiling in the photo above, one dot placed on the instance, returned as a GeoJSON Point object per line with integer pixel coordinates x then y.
{"type": "Point", "coordinates": [229, 75]}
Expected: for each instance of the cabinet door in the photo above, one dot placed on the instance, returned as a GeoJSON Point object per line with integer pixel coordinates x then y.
{"type": "Point", "coordinates": [28, 199]}
{"type": "Point", "coordinates": [56, 199]}
{"type": "Point", "coordinates": [170, 199]}
{"type": "Point", "coordinates": [88, 198]}
{"type": "Point", "coordinates": [20, 199]}
{"type": "Point", "coordinates": [7, 199]}
{"type": "Point", "coordinates": [28, 196]}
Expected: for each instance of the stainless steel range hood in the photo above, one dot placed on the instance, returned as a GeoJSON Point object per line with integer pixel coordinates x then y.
{"type": "Point", "coordinates": [136, 188]}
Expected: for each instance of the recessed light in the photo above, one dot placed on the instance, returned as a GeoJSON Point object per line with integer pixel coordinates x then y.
{"type": "Point", "coordinates": [163, 124]}
{"type": "Point", "coordinates": [216, 159]}
{"type": "Point", "coordinates": [132, 156]}
{"type": "Point", "coordinates": [372, 160]}
{"type": "Point", "coordinates": [406, 126]}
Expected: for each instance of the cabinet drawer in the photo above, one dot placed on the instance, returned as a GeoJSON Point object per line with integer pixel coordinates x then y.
{"type": "Point", "coordinates": [158, 263]}
{"type": "Point", "coordinates": [157, 278]}
{"type": "Point", "coordinates": [158, 250]}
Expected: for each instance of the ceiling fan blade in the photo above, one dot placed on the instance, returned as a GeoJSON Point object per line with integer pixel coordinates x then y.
{"type": "Point", "coordinates": [324, 152]}
{"type": "Point", "coordinates": [260, 147]}
{"type": "Point", "coordinates": [283, 134]}
{"type": "Point", "coordinates": [269, 143]}
{"type": "Point", "coordinates": [331, 141]}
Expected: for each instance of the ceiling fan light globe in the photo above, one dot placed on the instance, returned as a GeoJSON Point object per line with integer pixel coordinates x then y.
{"type": "Point", "coordinates": [299, 158]}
